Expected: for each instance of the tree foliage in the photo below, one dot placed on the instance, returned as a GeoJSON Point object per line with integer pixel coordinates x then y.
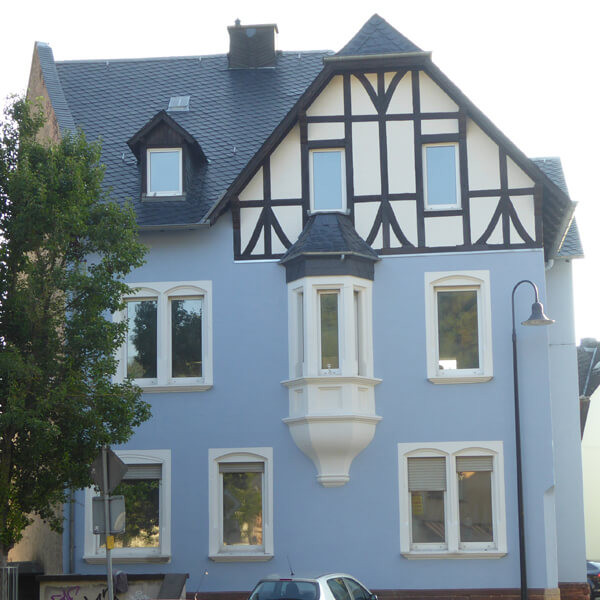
{"type": "Point", "coordinates": [64, 252]}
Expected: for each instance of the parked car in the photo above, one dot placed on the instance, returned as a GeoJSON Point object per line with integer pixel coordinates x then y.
{"type": "Point", "coordinates": [593, 577]}
{"type": "Point", "coordinates": [334, 586]}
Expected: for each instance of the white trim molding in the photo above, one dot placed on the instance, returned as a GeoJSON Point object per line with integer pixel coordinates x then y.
{"type": "Point", "coordinates": [452, 547]}
{"type": "Point", "coordinates": [96, 555]}
{"type": "Point", "coordinates": [163, 293]}
{"type": "Point", "coordinates": [217, 550]}
{"type": "Point", "coordinates": [331, 411]}
{"type": "Point", "coordinates": [478, 281]}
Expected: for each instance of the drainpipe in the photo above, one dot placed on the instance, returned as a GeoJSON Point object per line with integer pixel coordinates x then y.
{"type": "Point", "coordinates": [71, 531]}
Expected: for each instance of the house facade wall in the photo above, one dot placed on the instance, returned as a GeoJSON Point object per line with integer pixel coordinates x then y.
{"type": "Point", "coordinates": [354, 528]}
{"type": "Point", "coordinates": [564, 396]}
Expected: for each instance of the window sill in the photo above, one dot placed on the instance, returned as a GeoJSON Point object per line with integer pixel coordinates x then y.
{"type": "Point", "coordinates": [163, 197]}
{"type": "Point", "coordinates": [357, 379]}
{"type": "Point", "coordinates": [100, 559]}
{"type": "Point", "coordinates": [462, 554]}
{"type": "Point", "coordinates": [240, 557]}
{"type": "Point", "coordinates": [153, 389]}
{"type": "Point", "coordinates": [461, 379]}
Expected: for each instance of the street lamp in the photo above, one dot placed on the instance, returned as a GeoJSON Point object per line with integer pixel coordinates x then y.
{"type": "Point", "coordinates": [537, 318]}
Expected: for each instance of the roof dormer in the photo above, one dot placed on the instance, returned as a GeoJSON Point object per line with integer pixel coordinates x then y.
{"type": "Point", "coordinates": [168, 156]}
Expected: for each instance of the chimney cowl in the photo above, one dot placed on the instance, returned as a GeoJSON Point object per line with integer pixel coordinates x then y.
{"type": "Point", "coordinates": [251, 46]}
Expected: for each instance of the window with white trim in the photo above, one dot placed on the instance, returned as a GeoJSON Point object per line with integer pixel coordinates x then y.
{"type": "Point", "coordinates": [452, 499]}
{"type": "Point", "coordinates": [164, 172]}
{"type": "Point", "coordinates": [240, 504]}
{"type": "Point", "coordinates": [330, 327]}
{"type": "Point", "coordinates": [327, 172]}
{"type": "Point", "coordinates": [441, 176]}
{"type": "Point", "coordinates": [147, 490]}
{"type": "Point", "coordinates": [169, 337]}
{"type": "Point", "coordinates": [458, 327]}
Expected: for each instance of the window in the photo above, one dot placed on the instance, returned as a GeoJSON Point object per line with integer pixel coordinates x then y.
{"type": "Point", "coordinates": [147, 490]}
{"type": "Point", "coordinates": [458, 325]}
{"type": "Point", "coordinates": [169, 341]}
{"type": "Point", "coordinates": [240, 504]}
{"type": "Point", "coordinates": [441, 176]}
{"type": "Point", "coordinates": [164, 172]}
{"type": "Point", "coordinates": [452, 499]}
{"type": "Point", "coordinates": [330, 327]}
{"type": "Point", "coordinates": [327, 180]}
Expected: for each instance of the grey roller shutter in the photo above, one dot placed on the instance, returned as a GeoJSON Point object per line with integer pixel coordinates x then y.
{"type": "Point", "coordinates": [152, 471]}
{"type": "Point", "coordinates": [427, 474]}
{"type": "Point", "coordinates": [242, 467]}
{"type": "Point", "coordinates": [474, 463]}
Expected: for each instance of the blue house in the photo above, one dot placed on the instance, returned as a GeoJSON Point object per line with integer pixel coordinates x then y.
{"type": "Point", "coordinates": [323, 324]}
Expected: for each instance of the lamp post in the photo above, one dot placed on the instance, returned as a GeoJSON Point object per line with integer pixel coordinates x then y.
{"type": "Point", "coordinates": [537, 318]}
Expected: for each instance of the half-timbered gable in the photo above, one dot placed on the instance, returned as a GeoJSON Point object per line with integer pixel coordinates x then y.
{"type": "Point", "coordinates": [407, 138]}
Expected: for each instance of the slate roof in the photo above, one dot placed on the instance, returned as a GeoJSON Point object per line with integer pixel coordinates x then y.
{"type": "Point", "coordinates": [377, 36]}
{"type": "Point", "coordinates": [329, 234]}
{"type": "Point", "coordinates": [571, 246]}
{"type": "Point", "coordinates": [588, 363]}
{"type": "Point", "coordinates": [231, 113]}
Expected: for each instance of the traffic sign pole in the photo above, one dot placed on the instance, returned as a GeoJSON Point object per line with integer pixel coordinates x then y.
{"type": "Point", "coordinates": [107, 523]}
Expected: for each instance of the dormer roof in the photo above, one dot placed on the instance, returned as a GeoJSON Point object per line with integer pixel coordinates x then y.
{"type": "Point", "coordinates": [140, 138]}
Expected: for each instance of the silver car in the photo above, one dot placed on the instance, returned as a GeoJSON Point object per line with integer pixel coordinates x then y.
{"type": "Point", "coordinates": [334, 586]}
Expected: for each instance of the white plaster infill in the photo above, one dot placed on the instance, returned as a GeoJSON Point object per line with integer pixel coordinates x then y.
{"type": "Point", "coordinates": [332, 419]}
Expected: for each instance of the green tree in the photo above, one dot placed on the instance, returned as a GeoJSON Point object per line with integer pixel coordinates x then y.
{"type": "Point", "coordinates": [64, 252]}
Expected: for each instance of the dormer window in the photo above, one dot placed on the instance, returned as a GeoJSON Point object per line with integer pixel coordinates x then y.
{"type": "Point", "coordinates": [164, 172]}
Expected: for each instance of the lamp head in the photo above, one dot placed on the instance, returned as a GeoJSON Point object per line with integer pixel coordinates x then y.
{"type": "Point", "coordinates": [537, 316]}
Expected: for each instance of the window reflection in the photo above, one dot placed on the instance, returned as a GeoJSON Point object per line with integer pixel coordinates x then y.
{"type": "Point", "coordinates": [475, 505]}
{"type": "Point", "coordinates": [186, 337]}
{"type": "Point", "coordinates": [242, 508]}
{"type": "Point", "coordinates": [330, 353]}
{"type": "Point", "coordinates": [141, 339]}
{"type": "Point", "coordinates": [458, 331]}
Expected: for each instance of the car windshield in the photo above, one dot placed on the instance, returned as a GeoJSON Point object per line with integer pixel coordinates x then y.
{"type": "Point", "coordinates": [292, 590]}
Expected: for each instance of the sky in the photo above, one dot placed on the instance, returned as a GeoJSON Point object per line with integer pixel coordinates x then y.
{"type": "Point", "coordinates": [531, 66]}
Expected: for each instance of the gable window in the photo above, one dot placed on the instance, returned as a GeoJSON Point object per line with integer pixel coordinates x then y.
{"type": "Point", "coordinates": [452, 499]}
{"type": "Point", "coordinates": [327, 180]}
{"type": "Point", "coordinates": [441, 176]}
{"type": "Point", "coordinates": [241, 504]}
{"type": "Point", "coordinates": [458, 325]}
{"type": "Point", "coordinates": [146, 488]}
{"type": "Point", "coordinates": [169, 336]}
{"type": "Point", "coordinates": [164, 172]}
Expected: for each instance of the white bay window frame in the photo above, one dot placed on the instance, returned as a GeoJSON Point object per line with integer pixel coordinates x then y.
{"type": "Point", "coordinates": [354, 326]}
{"type": "Point", "coordinates": [217, 551]}
{"type": "Point", "coordinates": [93, 554]}
{"type": "Point", "coordinates": [453, 547]}
{"type": "Point", "coordinates": [444, 281]}
{"type": "Point", "coordinates": [164, 293]}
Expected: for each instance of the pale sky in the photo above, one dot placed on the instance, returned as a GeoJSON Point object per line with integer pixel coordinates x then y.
{"type": "Point", "coordinates": [531, 66]}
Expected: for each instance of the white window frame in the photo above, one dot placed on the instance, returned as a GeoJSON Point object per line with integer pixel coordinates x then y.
{"type": "Point", "coordinates": [179, 190]}
{"type": "Point", "coordinates": [453, 548]}
{"type": "Point", "coordinates": [96, 555]}
{"type": "Point", "coordinates": [451, 206]}
{"type": "Point", "coordinates": [309, 364]}
{"type": "Point", "coordinates": [344, 206]}
{"type": "Point", "coordinates": [217, 551]}
{"type": "Point", "coordinates": [163, 293]}
{"type": "Point", "coordinates": [453, 281]}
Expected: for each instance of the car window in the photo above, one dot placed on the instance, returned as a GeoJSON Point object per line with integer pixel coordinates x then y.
{"type": "Point", "coordinates": [358, 591]}
{"type": "Point", "coordinates": [287, 590]}
{"type": "Point", "coordinates": [338, 589]}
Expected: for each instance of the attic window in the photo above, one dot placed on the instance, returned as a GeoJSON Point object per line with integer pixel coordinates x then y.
{"type": "Point", "coordinates": [164, 172]}
{"type": "Point", "coordinates": [179, 104]}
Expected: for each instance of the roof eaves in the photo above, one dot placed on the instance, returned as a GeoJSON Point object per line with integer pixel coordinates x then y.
{"type": "Point", "coordinates": [366, 57]}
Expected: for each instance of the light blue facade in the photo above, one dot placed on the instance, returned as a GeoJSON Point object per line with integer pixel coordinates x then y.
{"type": "Point", "coordinates": [354, 528]}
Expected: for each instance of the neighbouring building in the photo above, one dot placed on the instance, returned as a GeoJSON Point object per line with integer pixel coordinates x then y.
{"type": "Point", "coordinates": [323, 324]}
